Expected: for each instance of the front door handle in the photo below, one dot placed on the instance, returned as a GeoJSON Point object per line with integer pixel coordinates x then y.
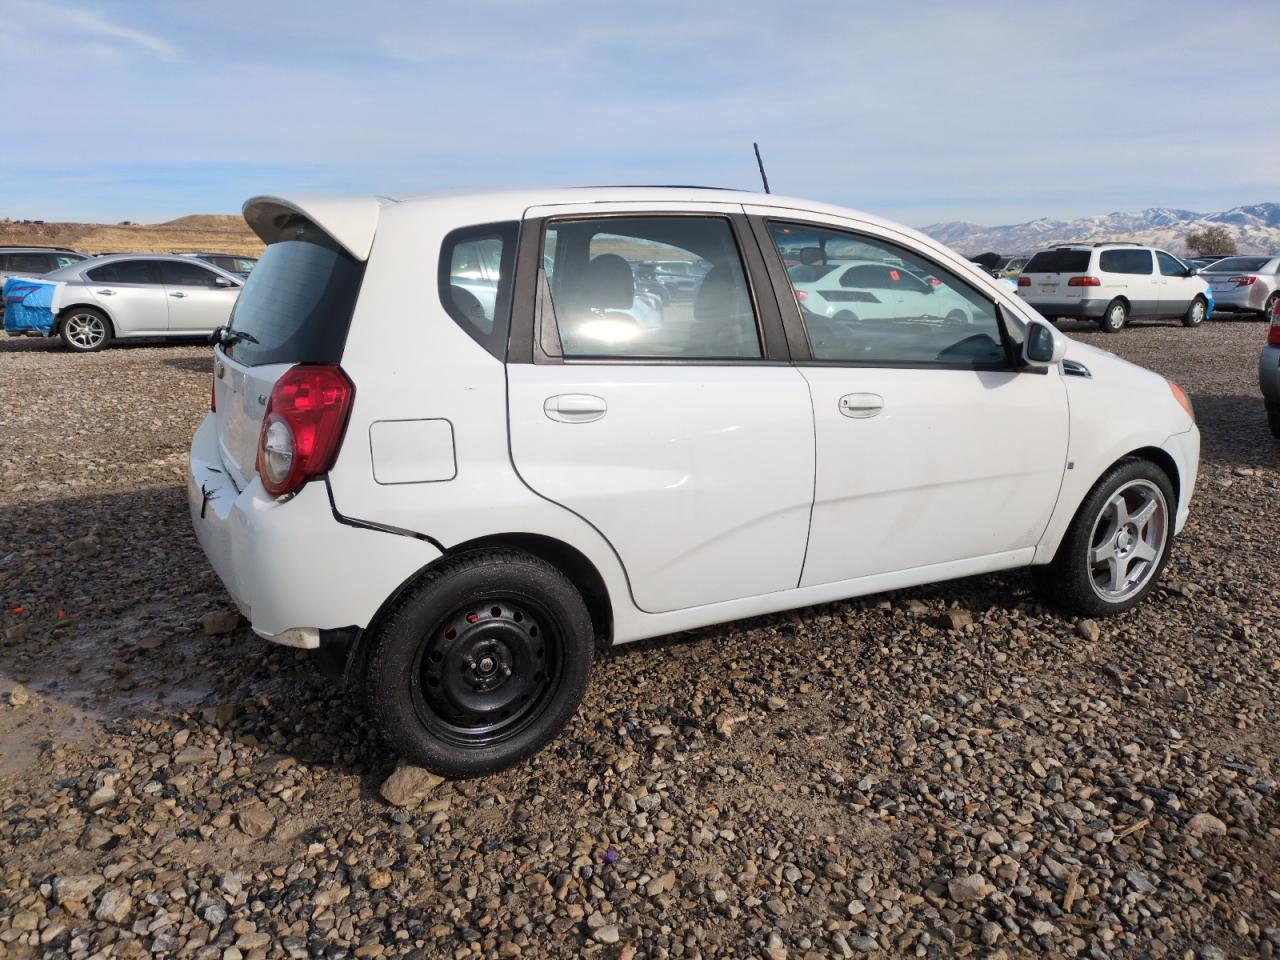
{"type": "Point", "coordinates": [575, 407]}
{"type": "Point", "coordinates": [179, 294]}
{"type": "Point", "coordinates": [861, 405]}
{"type": "Point", "coordinates": [106, 293]}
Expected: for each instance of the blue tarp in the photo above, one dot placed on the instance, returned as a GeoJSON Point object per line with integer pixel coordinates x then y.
{"type": "Point", "coordinates": [27, 306]}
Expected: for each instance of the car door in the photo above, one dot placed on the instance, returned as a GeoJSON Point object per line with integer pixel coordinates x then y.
{"type": "Point", "coordinates": [932, 446]}
{"type": "Point", "coordinates": [199, 298]}
{"type": "Point", "coordinates": [1129, 273]}
{"type": "Point", "coordinates": [678, 430]}
{"type": "Point", "coordinates": [1177, 288]}
{"type": "Point", "coordinates": [131, 294]}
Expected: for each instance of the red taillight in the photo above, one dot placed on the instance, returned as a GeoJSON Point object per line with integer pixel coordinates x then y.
{"type": "Point", "coordinates": [1084, 282]}
{"type": "Point", "coordinates": [303, 426]}
{"type": "Point", "coordinates": [801, 296]}
{"type": "Point", "coordinates": [1273, 334]}
{"type": "Point", "coordinates": [935, 282]}
{"type": "Point", "coordinates": [1242, 281]}
{"type": "Point", "coordinates": [1024, 281]}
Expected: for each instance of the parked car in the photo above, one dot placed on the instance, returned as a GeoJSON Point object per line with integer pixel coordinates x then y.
{"type": "Point", "coordinates": [1269, 372]}
{"type": "Point", "coordinates": [1112, 283]}
{"type": "Point", "coordinates": [1200, 263]}
{"type": "Point", "coordinates": [240, 266]}
{"type": "Point", "coordinates": [1245, 284]}
{"type": "Point", "coordinates": [1012, 268]}
{"type": "Point", "coordinates": [463, 506]}
{"type": "Point", "coordinates": [853, 291]}
{"type": "Point", "coordinates": [33, 262]}
{"type": "Point", "coordinates": [93, 302]}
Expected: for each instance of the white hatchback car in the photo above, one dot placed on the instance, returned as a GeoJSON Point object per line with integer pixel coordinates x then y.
{"type": "Point", "coordinates": [1112, 283]}
{"type": "Point", "coordinates": [464, 497]}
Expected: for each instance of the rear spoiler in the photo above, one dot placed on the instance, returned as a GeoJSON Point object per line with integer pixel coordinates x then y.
{"type": "Point", "coordinates": [350, 221]}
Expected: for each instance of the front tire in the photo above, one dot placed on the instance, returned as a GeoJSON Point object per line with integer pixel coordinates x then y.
{"type": "Point", "coordinates": [481, 663]}
{"type": "Point", "coordinates": [1269, 307]}
{"type": "Point", "coordinates": [85, 330]}
{"type": "Point", "coordinates": [1117, 545]}
{"type": "Point", "coordinates": [1115, 317]}
{"type": "Point", "coordinates": [1195, 313]}
{"type": "Point", "coordinates": [1273, 419]}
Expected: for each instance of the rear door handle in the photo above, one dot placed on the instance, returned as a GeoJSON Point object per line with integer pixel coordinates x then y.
{"type": "Point", "coordinates": [107, 293]}
{"type": "Point", "coordinates": [575, 407]}
{"type": "Point", "coordinates": [861, 405]}
{"type": "Point", "coordinates": [179, 294]}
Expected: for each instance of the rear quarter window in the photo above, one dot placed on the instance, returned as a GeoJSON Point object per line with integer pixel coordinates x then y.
{"type": "Point", "coordinates": [297, 304]}
{"type": "Point", "coordinates": [476, 266]}
{"type": "Point", "coordinates": [1058, 261]}
{"type": "Point", "coordinates": [1125, 261]}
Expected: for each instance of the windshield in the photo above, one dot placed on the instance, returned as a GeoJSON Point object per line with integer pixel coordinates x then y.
{"type": "Point", "coordinates": [296, 305]}
{"type": "Point", "coordinates": [1239, 264]}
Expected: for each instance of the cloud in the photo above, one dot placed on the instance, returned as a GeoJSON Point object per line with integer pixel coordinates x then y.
{"type": "Point", "coordinates": [37, 31]}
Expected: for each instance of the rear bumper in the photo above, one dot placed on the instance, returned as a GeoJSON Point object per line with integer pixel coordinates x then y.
{"type": "Point", "coordinates": [1084, 309]}
{"type": "Point", "coordinates": [1242, 298]}
{"type": "Point", "coordinates": [1269, 375]}
{"type": "Point", "coordinates": [292, 567]}
{"type": "Point", "coordinates": [1184, 448]}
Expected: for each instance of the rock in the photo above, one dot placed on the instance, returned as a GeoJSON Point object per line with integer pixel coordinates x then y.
{"type": "Point", "coordinates": [218, 623]}
{"type": "Point", "coordinates": [1088, 630]}
{"type": "Point", "coordinates": [606, 934]}
{"type": "Point", "coordinates": [254, 821]}
{"type": "Point", "coordinates": [85, 547]}
{"type": "Point", "coordinates": [101, 797]}
{"type": "Point", "coordinates": [1043, 928]}
{"type": "Point", "coordinates": [115, 906]}
{"type": "Point", "coordinates": [94, 837]}
{"type": "Point", "coordinates": [409, 785]}
{"type": "Point", "coordinates": [18, 696]}
{"type": "Point", "coordinates": [1203, 823]}
{"type": "Point", "coordinates": [1138, 883]}
{"type": "Point", "coordinates": [194, 755]}
{"type": "Point", "coordinates": [775, 947]}
{"type": "Point", "coordinates": [967, 887]}
{"type": "Point", "coordinates": [77, 888]}
{"type": "Point", "coordinates": [725, 722]}
{"type": "Point", "coordinates": [378, 880]}
{"type": "Point", "coordinates": [958, 619]}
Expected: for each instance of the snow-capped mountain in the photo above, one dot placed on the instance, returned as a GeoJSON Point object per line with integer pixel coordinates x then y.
{"type": "Point", "coordinates": [1256, 229]}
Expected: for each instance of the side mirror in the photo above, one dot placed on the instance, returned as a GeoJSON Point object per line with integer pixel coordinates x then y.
{"type": "Point", "coordinates": [1193, 271]}
{"type": "Point", "coordinates": [1043, 345]}
{"type": "Point", "coordinates": [222, 282]}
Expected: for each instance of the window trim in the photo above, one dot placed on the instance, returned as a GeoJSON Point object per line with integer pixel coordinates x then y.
{"type": "Point", "coordinates": [496, 342]}
{"type": "Point", "coordinates": [797, 329]}
{"type": "Point", "coordinates": [770, 328]}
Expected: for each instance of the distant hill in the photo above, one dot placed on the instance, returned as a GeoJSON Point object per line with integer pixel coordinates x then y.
{"type": "Point", "coordinates": [212, 233]}
{"type": "Point", "coordinates": [1256, 229]}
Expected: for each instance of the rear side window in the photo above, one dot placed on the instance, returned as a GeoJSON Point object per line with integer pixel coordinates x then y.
{"type": "Point", "coordinates": [123, 271]}
{"type": "Point", "coordinates": [1058, 261]}
{"type": "Point", "coordinates": [296, 306]}
{"type": "Point", "coordinates": [1125, 261]}
{"type": "Point", "coordinates": [476, 264]}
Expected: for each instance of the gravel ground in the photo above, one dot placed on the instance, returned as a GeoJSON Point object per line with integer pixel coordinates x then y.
{"type": "Point", "coordinates": [952, 770]}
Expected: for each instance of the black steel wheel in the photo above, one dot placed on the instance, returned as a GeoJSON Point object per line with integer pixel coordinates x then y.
{"type": "Point", "coordinates": [480, 663]}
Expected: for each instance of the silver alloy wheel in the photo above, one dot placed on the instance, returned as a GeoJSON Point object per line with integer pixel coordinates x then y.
{"type": "Point", "coordinates": [1128, 540]}
{"type": "Point", "coordinates": [85, 330]}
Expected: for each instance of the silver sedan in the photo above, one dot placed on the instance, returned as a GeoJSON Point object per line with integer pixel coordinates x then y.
{"type": "Point", "coordinates": [1244, 284]}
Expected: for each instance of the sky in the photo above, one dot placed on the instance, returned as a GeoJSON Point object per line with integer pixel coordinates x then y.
{"type": "Point", "coordinates": [919, 111]}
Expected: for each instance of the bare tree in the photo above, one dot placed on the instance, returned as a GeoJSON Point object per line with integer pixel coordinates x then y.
{"type": "Point", "coordinates": [1210, 240]}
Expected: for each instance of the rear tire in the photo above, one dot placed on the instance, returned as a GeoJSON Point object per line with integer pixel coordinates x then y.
{"type": "Point", "coordinates": [85, 330]}
{"type": "Point", "coordinates": [1100, 541]}
{"type": "Point", "coordinates": [1195, 313]}
{"type": "Point", "coordinates": [481, 663]}
{"type": "Point", "coordinates": [1269, 307]}
{"type": "Point", "coordinates": [1115, 317]}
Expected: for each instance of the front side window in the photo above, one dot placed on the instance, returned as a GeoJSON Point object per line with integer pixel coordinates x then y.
{"type": "Point", "coordinates": [124, 271]}
{"type": "Point", "coordinates": [867, 301]}
{"type": "Point", "coordinates": [1135, 262]}
{"type": "Point", "coordinates": [175, 273]}
{"type": "Point", "coordinates": [476, 264]}
{"type": "Point", "coordinates": [1171, 266]}
{"type": "Point", "coordinates": [648, 287]}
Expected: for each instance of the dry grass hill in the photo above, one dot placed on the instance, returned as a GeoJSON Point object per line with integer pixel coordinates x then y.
{"type": "Point", "coordinates": [211, 233]}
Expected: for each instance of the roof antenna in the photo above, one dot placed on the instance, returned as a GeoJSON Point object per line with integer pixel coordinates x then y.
{"type": "Point", "coordinates": [760, 164]}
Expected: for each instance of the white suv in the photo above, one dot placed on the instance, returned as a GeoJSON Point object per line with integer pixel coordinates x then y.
{"type": "Point", "coordinates": [1112, 283]}
{"type": "Point", "coordinates": [465, 495]}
